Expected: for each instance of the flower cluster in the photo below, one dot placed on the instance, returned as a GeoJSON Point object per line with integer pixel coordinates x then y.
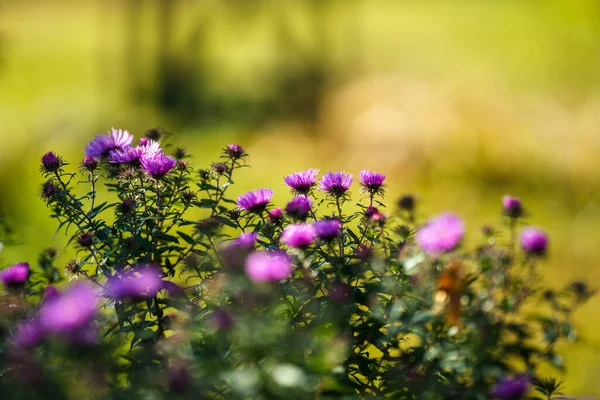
{"type": "Point", "coordinates": [180, 290]}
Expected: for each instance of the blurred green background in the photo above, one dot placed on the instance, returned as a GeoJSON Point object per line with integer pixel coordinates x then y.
{"type": "Point", "coordinates": [459, 102]}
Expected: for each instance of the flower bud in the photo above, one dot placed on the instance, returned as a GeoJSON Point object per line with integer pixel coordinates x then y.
{"type": "Point", "coordinates": [51, 162]}
{"type": "Point", "coordinates": [512, 206]}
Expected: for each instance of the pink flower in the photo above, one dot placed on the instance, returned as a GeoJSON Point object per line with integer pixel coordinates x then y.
{"type": "Point", "coordinates": [298, 235]}
{"type": "Point", "coordinates": [268, 266]}
{"type": "Point", "coordinates": [441, 234]}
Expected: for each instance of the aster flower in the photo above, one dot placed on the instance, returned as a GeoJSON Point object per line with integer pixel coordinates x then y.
{"type": "Point", "coordinates": [132, 155]}
{"type": "Point", "coordinates": [255, 201]}
{"type": "Point", "coordinates": [49, 190]}
{"type": "Point", "coordinates": [372, 182]}
{"type": "Point", "coordinates": [302, 182]}
{"type": "Point", "coordinates": [512, 206]}
{"type": "Point", "coordinates": [221, 319]}
{"type": "Point", "coordinates": [51, 163]}
{"type": "Point", "coordinates": [101, 145]}
{"type": "Point", "coordinates": [70, 312]}
{"type": "Point", "coordinates": [15, 276]}
{"type": "Point", "coordinates": [275, 215]}
{"type": "Point", "coordinates": [514, 388]}
{"type": "Point", "coordinates": [49, 292]}
{"type": "Point", "coordinates": [246, 240]}
{"type": "Point", "coordinates": [158, 164]}
{"type": "Point", "coordinates": [440, 234]}
{"type": "Point", "coordinates": [336, 183]}
{"type": "Point", "coordinates": [234, 151]}
{"type": "Point", "coordinates": [299, 207]}
{"type": "Point", "coordinates": [377, 218]}
{"type": "Point", "coordinates": [298, 235]}
{"type": "Point", "coordinates": [89, 163]}
{"type": "Point", "coordinates": [370, 211]}
{"type": "Point", "coordinates": [268, 266]}
{"type": "Point", "coordinates": [141, 283]}
{"type": "Point", "coordinates": [407, 202]}
{"type": "Point", "coordinates": [27, 334]}
{"type": "Point", "coordinates": [328, 229]}
{"type": "Point", "coordinates": [534, 241]}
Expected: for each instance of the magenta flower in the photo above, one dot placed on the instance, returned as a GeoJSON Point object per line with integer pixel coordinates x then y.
{"type": "Point", "coordinates": [372, 182]}
{"type": "Point", "coordinates": [49, 292]}
{"type": "Point", "coordinates": [141, 283]}
{"type": "Point", "coordinates": [441, 234]}
{"type": "Point", "coordinates": [511, 388]}
{"type": "Point", "coordinates": [299, 207]}
{"type": "Point", "coordinates": [512, 206]}
{"type": "Point", "coordinates": [246, 240]}
{"type": "Point", "coordinates": [255, 201]}
{"type": "Point", "coordinates": [302, 182]}
{"type": "Point", "coordinates": [275, 215]}
{"type": "Point", "coordinates": [327, 229]}
{"type": "Point", "coordinates": [158, 164]}
{"type": "Point", "coordinates": [132, 155]}
{"type": "Point", "coordinates": [370, 211]}
{"type": "Point", "coordinates": [27, 334]}
{"type": "Point", "coordinates": [15, 276]}
{"type": "Point", "coordinates": [534, 241]}
{"type": "Point", "coordinates": [101, 145]}
{"type": "Point", "coordinates": [234, 151]}
{"type": "Point", "coordinates": [336, 183]}
{"type": "Point", "coordinates": [298, 235]}
{"type": "Point", "coordinates": [268, 266]}
{"type": "Point", "coordinates": [70, 312]}
{"type": "Point", "coordinates": [89, 163]}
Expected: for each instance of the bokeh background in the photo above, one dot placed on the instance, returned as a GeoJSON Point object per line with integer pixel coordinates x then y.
{"type": "Point", "coordinates": [457, 101]}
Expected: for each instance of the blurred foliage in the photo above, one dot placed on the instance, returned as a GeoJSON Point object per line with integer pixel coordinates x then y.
{"type": "Point", "coordinates": [459, 101]}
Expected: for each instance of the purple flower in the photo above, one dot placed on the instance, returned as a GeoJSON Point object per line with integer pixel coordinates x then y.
{"type": "Point", "coordinates": [141, 283]}
{"type": "Point", "coordinates": [302, 182]}
{"type": "Point", "coordinates": [371, 181]}
{"type": "Point", "coordinates": [27, 334]}
{"type": "Point", "coordinates": [512, 206]}
{"type": "Point", "coordinates": [336, 183]}
{"type": "Point", "coordinates": [511, 388]}
{"type": "Point", "coordinates": [158, 164]}
{"type": "Point", "coordinates": [327, 229]}
{"type": "Point", "coordinates": [131, 155]}
{"type": "Point", "coordinates": [51, 162]}
{"type": "Point", "coordinates": [298, 235]}
{"type": "Point", "coordinates": [49, 292]}
{"type": "Point", "coordinates": [275, 215]}
{"type": "Point", "coordinates": [69, 312]}
{"type": "Point", "coordinates": [298, 207]}
{"type": "Point", "coordinates": [89, 163]}
{"type": "Point", "coordinates": [370, 211]}
{"type": "Point", "coordinates": [246, 240]}
{"type": "Point", "coordinates": [534, 241]}
{"type": "Point", "coordinates": [103, 144]}
{"type": "Point", "coordinates": [221, 319]}
{"type": "Point", "coordinates": [255, 201]}
{"type": "Point", "coordinates": [268, 266]}
{"type": "Point", "coordinates": [441, 234]}
{"type": "Point", "coordinates": [16, 275]}
{"type": "Point", "coordinates": [234, 151]}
